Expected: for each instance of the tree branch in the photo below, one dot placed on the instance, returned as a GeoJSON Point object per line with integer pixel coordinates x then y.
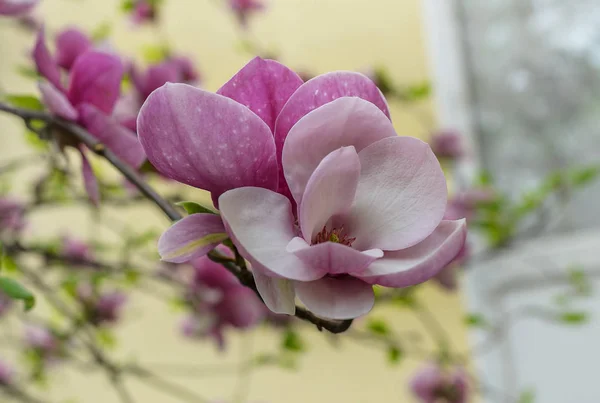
{"type": "Point", "coordinates": [237, 267]}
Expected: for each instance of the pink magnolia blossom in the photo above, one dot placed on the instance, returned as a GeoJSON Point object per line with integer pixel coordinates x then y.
{"type": "Point", "coordinates": [12, 215]}
{"type": "Point", "coordinates": [244, 8]}
{"type": "Point", "coordinates": [89, 99]}
{"type": "Point", "coordinates": [75, 249]}
{"type": "Point", "coordinates": [16, 7]}
{"type": "Point", "coordinates": [42, 340]}
{"type": "Point", "coordinates": [101, 308]}
{"type": "Point", "coordinates": [144, 11]}
{"type": "Point", "coordinates": [433, 385]}
{"type": "Point", "coordinates": [314, 186]}
{"type": "Point", "coordinates": [219, 301]}
{"type": "Point", "coordinates": [448, 144]}
{"type": "Point", "coordinates": [70, 44]}
{"type": "Point", "coordinates": [7, 373]}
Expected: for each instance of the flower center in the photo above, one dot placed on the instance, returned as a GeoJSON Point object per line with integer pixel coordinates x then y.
{"type": "Point", "coordinates": [336, 235]}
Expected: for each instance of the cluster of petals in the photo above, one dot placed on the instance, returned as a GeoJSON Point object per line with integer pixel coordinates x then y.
{"type": "Point", "coordinates": [42, 340]}
{"type": "Point", "coordinates": [76, 249]}
{"type": "Point", "coordinates": [219, 301]}
{"type": "Point", "coordinates": [16, 7]}
{"type": "Point", "coordinates": [314, 187]}
{"type": "Point", "coordinates": [7, 373]}
{"type": "Point", "coordinates": [101, 307]}
{"type": "Point", "coordinates": [433, 384]}
{"type": "Point", "coordinates": [89, 97]}
{"type": "Point", "coordinates": [448, 144]}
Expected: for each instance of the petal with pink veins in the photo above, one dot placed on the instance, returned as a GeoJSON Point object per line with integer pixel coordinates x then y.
{"type": "Point", "coordinates": [347, 121]}
{"type": "Point", "coordinates": [421, 262]}
{"type": "Point", "coordinates": [336, 298]}
{"type": "Point", "coordinates": [117, 138]}
{"type": "Point", "coordinates": [277, 293]}
{"type": "Point", "coordinates": [191, 237]}
{"type": "Point", "coordinates": [57, 101]}
{"type": "Point", "coordinates": [96, 80]}
{"type": "Point", "coordinates": [89, 179]}
{"type": "Point", "coordinates": [206, 140]}
{"type": "Point", "coordinates": [45, 63]}
{"type": "Point", "coordinates": [334, 258]}
{"type": "Point", "coordinates": [401, 195]}
{"type": "Point", "coordinates": [264, 86]}
{"type": "Point", "coordinates": [330, 190]}
{"type": "Point", "coordinates": [261, 224]}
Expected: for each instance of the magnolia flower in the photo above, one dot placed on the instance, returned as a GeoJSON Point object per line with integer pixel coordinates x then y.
{"type": "Point", "coordinates": [433, 385]}
{"type": "Point", "coordinates": [41, 339]}
{"type": "Point", "coordinates": [464, 204]}
{"type": "Point", "coordinates": [219, 301]}
{"type": "Point", "coordinates": [16, 7]}
{"type": "Point", "coordinates": [70, 44]}
{"type": "Point", "coordinates": [143, 11]}
{"type": "Point", "coordinates": [5, 303]}
{"type": "Point", "coordinates": [243, 9]}
{"type": "Point", "coordinates": [448, 144]}
{"type": "Point", "coordinates": [75, 249]}
{"type": "Point", "coordinates": [313, 184]}
{"type": "Point", "coordinates": [103, 307]}
{"type": "Point", "coordinates": [89, 99]}
{"type": "Point", "coordinates": [7, 373]}
{"type": "Point", "coordinates": [12, 215]}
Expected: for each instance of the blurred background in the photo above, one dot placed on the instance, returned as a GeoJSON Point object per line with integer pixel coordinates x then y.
{"type": "Point", "coordinates": [518, 79]}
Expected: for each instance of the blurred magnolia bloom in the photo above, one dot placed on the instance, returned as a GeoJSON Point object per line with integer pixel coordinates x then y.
{"type": "Point", "coordinates": [433, 384]}
{"type": "Point", "coordinates": [464, 203]}
{"type": "Point", "coordinates": [244, 8]}
{"type": "Point", "coordinates": [70, 44]}
{"type": "Point", "coordinates": [143, 11]}
{"type": "Point", "coordinates": [12, 215]}
{"type": "Point", "coordinates": [41, 339]}
{"type": "Point", "coordinates": [16, 7]}
{"type": "Point", "coordinates": [7, 373]}
{"type": "Point", "coordinates": [5, 303]}
{"type": "Point", "coordinates": [314, 186]}
{"type": "Point", "coordinates": [75, 249]}
{"type": "Point", "coordinates": [101, 308]}
{"type": "Point", "coordinates": [219, 301]}
{"type": "Point", "coordinates": [448, 144]}
{"type": "Point", "coordinates": [88, 99]}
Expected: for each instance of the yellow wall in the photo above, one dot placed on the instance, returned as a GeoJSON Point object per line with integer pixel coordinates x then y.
{"type": "Point", "coordinates": [322, 35]}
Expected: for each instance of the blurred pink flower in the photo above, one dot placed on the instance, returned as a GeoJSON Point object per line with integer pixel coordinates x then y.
{"type": "Point", "coordinates": [94, 87]}
{"type": "Point", "coordinates": [448, 144]}
{"type": "Point", "coordinates": [369, 203]}
{"type": "Point", "coordinates": [16, 7]}
{"type": "Point", "coordinates": [219, 301]}
{"type": "Point", "coordinates": [70, 44]}
{"type": "Point", "coordinates": [7, 373]}
{"type": "Point", "coordinates": [433, 385]}
{"type": "Point", "coordinates": [75, 249]}
{"type": "Point", "coordinates": [41, 339]}
{"type": "Point", "coordinates": [101, 308]}
{"type": "Point", "coordinates": [144, 11]}
{"type": "Point", "coordinates": [464, 204]}
{"type": "Point", "coordinates": [5, 303]}
{"type": "Point", "coordinates": [244, 8]}
{"type": "Point", "coordinates": [12, 215]}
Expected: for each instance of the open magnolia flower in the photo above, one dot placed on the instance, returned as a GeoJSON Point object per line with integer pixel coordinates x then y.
{"type": "Point", "coordinates": [314, 186]}
{"type": "Point", "coordinates": [89, 99]}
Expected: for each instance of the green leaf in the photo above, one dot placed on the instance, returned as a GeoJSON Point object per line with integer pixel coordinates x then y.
{"type": "Point", "coordinates": [574, 317]}
{"type": "Point", "coordinates": [101, 32]}
{"type": "Point", "coordinates": [24, 101]}
{"type": "Point", "coordinates": [127, 6]}
{"type": "Point", "coordinates": [583, 176]}
{"type": "Point", "coordinates": [155, 53]}
{"type": "Point", "coordinates": [132, 276]}
{"type": "Point", "coordinates": [292, 342]}
{"type": "Point", "coordinates": [16, 291]}
{"type": "Point", "coordinates": [378, 327]}
{"type": "Point", "coordinates": [475, 320]}
{"type": "Point", "coordinates": [527, 396]}
{"type": "Point", "coordinates": [579, 281]}
{"type": "Point", "coordinates": [195, 208]}
{"type": "Point", "coordinates": [106, 338]}
{"type": "Point", "coordinates": [394, 355]}
{"type": "Point", "coordinates": [417, 92]}
{"type": "Point", "coordinates": [28, 72]}
{"type": "Point", "coordinates": [8, 264]}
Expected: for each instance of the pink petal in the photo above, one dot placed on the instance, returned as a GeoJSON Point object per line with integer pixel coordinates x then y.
{"type": "Point", "coordinates": [16, 7]}
{"type": "Point", "coordinates": [261, 224]}
{"type": "Point", "coordinates": [45, 63]}
{"type": "Point", "coordinates": [264, 86]}
{"type": "Point", "coordinates": [277, 293]}
{"type": "Point", "coordinates": [206, 140]}
{"type": "Point", "coordinates": [120, 140]}
{"type": "Point", "coordinates": [96, 79]}
{"type": "Point", "coordinates": [89, 179]}
{"type": "Point", "coordinates": [419, 263]}
{"type": "Point", "coordinates": [191, 237]}
{"type": "Point", "coordinates": [241, 308]}
{"type": "Point", "coordinates": [320, 91]}
{"type": "Point", "coordinates": [157, 76]}
{"type": "Point", "coordinates": [333, 258]}
{"type": "Point", "coordinates": [57, 101]}
{"type": "Point", "coordinates": [71, 43]}
{"type": "Point", "coordinates": [343, 122]}
{"type": "Point", "coordinates": [330, 190]}
{"type": "Point", "coordinates": [401, 195]}
{"type": "Point", "coordinates": [336, 298]}
{"type": "Point", "coordinates": [426, 382]}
